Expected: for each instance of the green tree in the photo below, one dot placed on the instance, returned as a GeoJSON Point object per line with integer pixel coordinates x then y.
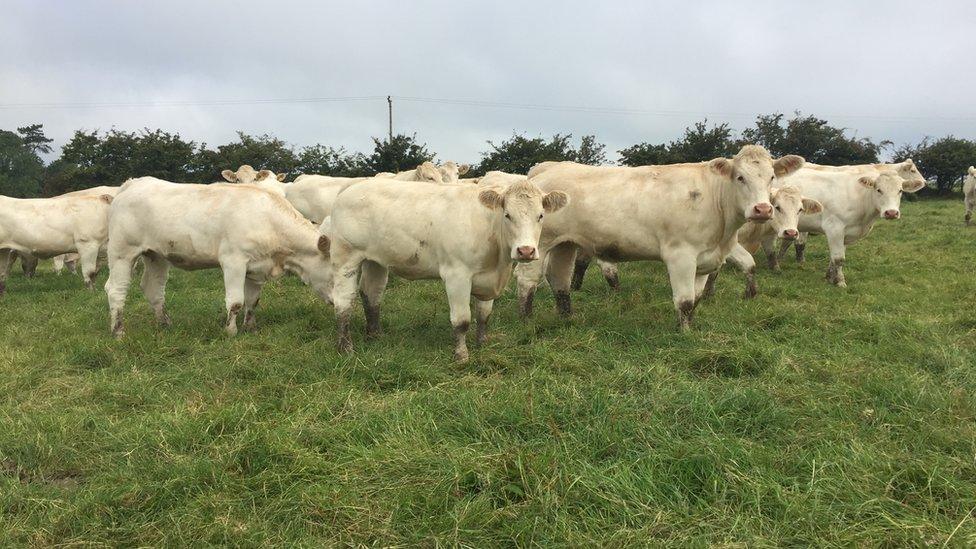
{"type": "Point", "coordinates": [591, 151]}
{"type": "Point", "coordinates": [699, 143]}
{"type": "Point", "coordinates": [323, 160]}
{"type": "Point", "coordinates": [519, 153]}
{"type": "Point", "coordinates": [261, 152]}
{"type": "Point", "coordinates": [20, 167]}
{"type": "Point", "coordinates": [945, 160]}
{"type": "Point", "coordinates": [812, 138]}
{"type": "Point", "coordinates": [402, 153]}
{"type": "Point", "coordinates": [34, 138]}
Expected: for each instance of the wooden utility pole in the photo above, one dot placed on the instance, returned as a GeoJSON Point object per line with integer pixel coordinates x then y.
{"type": "Point", "coordinates": [389, 99]}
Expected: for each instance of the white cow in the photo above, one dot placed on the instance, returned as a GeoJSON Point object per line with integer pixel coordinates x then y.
{"type": "Point", "coordinates": [969, 192]}
{"type": "Point", "coordinates": [47, 227]}
{"type": "Point", "coordinates": [266, 179]}
{"type": "Point", "coordinates": [249, 233]}
{"type": "Point", "coordinates": [63, 261]}
{"type": "Point", "coordinates": [853, 199]}
{"type": "Point", "coordinates": [788, 205]}
{"type": "Point", "coordinates": [686, 215]}
{"type": "Point", "coordinates": [468, 236]}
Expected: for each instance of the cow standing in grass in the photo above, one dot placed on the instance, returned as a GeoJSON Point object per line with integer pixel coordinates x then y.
{"type": "Point", "coordinates": [47, 227]}
{"type": "Point", "coordinates": [251, 234]}
{"type": "Point", "coordinates": [853, 199]}
{"type": "Point", "coordinates": [969, 194]}
{"type": "Point", "coordinates": [788, 205]}
{"type": "Point", "coordinates": [686, 215]}
{"type": "Point", "coordinates": [468, 236]}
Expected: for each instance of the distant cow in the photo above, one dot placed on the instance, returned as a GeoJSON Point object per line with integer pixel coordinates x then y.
{"type": "Point", "coordinates": [686, 215]}
{"type": "Point", "coordinates": [969, 192]}
{"type": "Point", "coordinates": [265, 179]}
{"type": "Point", "coordinates": [853, 199]}
{"type": "Point", "coordinates": [63, 261]}
{"type": "Point", "coordinates": [468, 236]}
{"type": "Point", "coordinates": [47, 227]}
{"type": "Point", "coordinates": [251, 234]}
{"type": "Point", "coordinates": [788, 205]}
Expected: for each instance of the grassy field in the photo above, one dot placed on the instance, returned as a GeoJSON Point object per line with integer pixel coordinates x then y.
{"type": "Point", "coordinates": [810, 415]}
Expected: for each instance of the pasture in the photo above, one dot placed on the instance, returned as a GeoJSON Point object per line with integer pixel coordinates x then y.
{"type": "Point", "coordinates": [809, 415]}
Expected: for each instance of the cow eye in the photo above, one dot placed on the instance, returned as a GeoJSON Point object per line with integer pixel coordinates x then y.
{"type": "Point", "coordinates": [741, 179]}
{"type": "Point", "coordinates": [508, 217]}
{"type": "Point", "coordinates": [778, 209]}
{"type": "Point", "coordinates": [540, 217]}
{"type": "Point", "coordinates": [879, 191]}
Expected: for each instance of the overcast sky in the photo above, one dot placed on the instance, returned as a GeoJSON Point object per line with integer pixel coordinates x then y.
{"type": "Point", "coordinates": [895, 70]}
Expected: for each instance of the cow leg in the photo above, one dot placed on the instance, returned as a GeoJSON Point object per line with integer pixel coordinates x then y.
{"type": "Point", "coordinates": [709, 290]}
{"type": "Point", "coordinates": [835, 271]}
{"type": "Point", "coordinates": [346, 264]}
{"type": "Point", "coordinates": [28, 263]}
{"type": "Point", "coordinates": [252, 293]}
{"type": "Point", "coordinates": [58, 261]}
{"type": "Point", "coordinates": [71, 263]}
{"type": "Point", "coordinates": [483, 310]}
{"type": "Point", "coordinates": [372, 283]}
{"type": "Point", "coordinates": [772, 258]}
{"type": "Point", "coordinates": [6, 261]}
{"type": "Point", "coordinates": [88, 252]}
{"type": "Point", "coordinates": [969, 211]}
{"type": "Point", "coordinates": [458, 287]}
{"type": "Point", "coordinates": [579, 269]}
{"type": "Point", "coordinates": [743, 260]}
{"type": "Point", "coordinates": [801, 245]}
{"type": "Point", "coordinates": [682, 273]}
{"type": "Point", "coordinates": [610, 273]}
{"type": "Point", "coordinates": [528, 276]}
{"type": "Point", "coordinates": [561, 261]}
{"type": "Point", "coordinates": [117, 287]}
{"type": "Point", "coordinates": [155, 271]}
{"type": "Point", "coordinates": [700, 282]}
{"type": "Point", "coordinates": [235, 272]}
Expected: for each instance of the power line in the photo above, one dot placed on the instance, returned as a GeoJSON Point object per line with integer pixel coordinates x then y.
{"type": "Point", "coordinates": [460, 102]}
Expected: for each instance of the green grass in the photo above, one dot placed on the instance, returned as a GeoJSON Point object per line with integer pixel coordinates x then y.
{"type": "Point", "coordinates": [810, 415]}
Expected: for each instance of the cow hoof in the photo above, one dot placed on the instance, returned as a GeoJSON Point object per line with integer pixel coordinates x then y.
{"type": "Point", "coordinates": [841, 284]}
{"type": "Point", "coordinates": [461, 356]}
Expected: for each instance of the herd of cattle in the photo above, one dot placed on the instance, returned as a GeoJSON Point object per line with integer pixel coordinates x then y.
{"type": "Point", "coordinates": [344, 236]}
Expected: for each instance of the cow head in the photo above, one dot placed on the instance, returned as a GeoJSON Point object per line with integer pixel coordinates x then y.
{"type": "Point", "coordinates": [885, 192]}
{"type": "Point", "coordinates": [316, 269]}
{"type": "Point", "coordinates": [429, 172]}
{"type": "Point", "coordinates": [972, 171]}
{"type": "Point", "coordinates": [751, 173]}
{"type": "Point", "coordinates": [451, 171]}
{"type": "Point", "coordinates": [244, 174]}
{"type": "Point", "coordinates": [910, 174]}
{"type": "Point", "coordinates": [522, 207]}
{"type": "Point", "coordinates": [788, 204]}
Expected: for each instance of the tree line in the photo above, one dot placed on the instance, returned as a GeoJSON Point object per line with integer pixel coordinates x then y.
{"type": "Point", "coordinates": [92, 158]}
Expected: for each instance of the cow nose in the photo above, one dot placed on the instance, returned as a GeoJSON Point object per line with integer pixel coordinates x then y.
{"type": "Point", "coordinates": [762, 211]}
{"type": "Point", "coordinates": [525, 252]}
{"type": "Point", "coordinates": [790, 234]}
{"type": "Point", "coordinates": [892, 214]}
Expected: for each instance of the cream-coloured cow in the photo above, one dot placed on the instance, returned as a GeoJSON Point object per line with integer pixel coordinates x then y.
{"type": "Point", "coordinates": [853, 199]}
{"type": "Point", "coordinates": [251, 234]}
{"type": "Point", "coordinates": [266, 179]}
{"type": "Point", "coordinates": [788, 205]}
{"type": "Point", "coordinates": [969, 194]}
{"type": "Point", "coordinates": [47, 227]}
{"type": "Point", "coordinates": [65, 261]}
{"type": "Point", "coordinates": [686, 215]}
{"type": "Point", "coordinates": [468, 236]}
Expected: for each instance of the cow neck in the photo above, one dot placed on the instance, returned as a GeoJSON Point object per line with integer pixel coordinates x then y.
{"type": "Point", "coordinates": [503, 262]}
{"type": "Point", "coordinates": [867, 214]}
{"type": "Point", "coordinates": [732, 218]}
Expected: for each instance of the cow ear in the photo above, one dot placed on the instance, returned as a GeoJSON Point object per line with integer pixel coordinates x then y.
{"type": "Point", "coordinates": [229, 176]}
{"type": "Point", "coordinates": [722, 166]}
{"type": "Point", "coordinates": [107, 198]}
{"type": "Point", "coordinates": [491, 199]}
{"type": "Point", "coordinates": [429, 172]}
{"type": "Point", "coordinates": [323, 244]}
{"type": "Point", "coordinates": [811, 206]}
{"type": "Point", "coordinates": [262, 174]}
{"type": "Point", "coordinates": [867, 182]}
{"type": "Point", "coordinates": [788, 164]}
{"type": "Point", "coordinates": [281, 177]}
{"type": "Point", "coordinates": [463, 169]}
{"type": "Point", "coordinates": [913, 185]}
{"type": "Point", "coordinates": [554, 201]}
